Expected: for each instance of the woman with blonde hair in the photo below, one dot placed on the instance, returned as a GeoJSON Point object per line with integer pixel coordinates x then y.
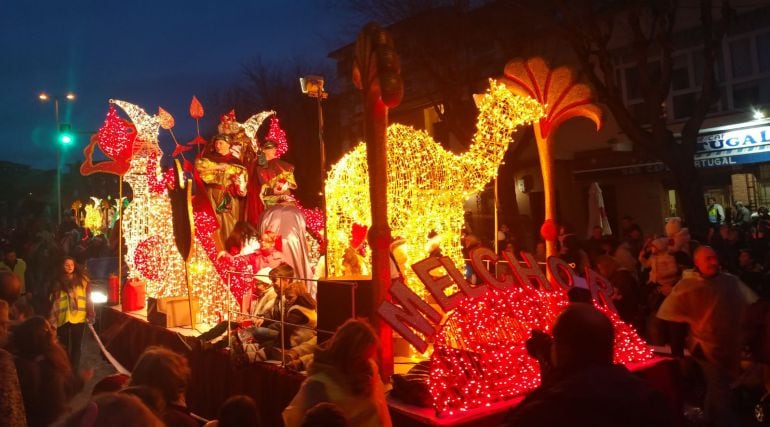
{"type": "Point", "coordinates": [344, 373]}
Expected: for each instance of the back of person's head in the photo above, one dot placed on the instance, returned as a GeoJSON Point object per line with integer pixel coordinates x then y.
{"type": "Point", "coordinates": [283, 271]}
{"type": "Point", "coordinates": [110, 384]}
{"type": "Point", "coordinates": [349, 351]}
{"type": "Point", "coordinates": [582, 335]}
{"type": "Point", "coordinates": [166, 371]}
{"type": "Point", "coordinates": [239, 411]}
{"type": "Point", "coordinates": [113, 410]}
{"type": "Point", "coordinates": [151, 397]}
{"type": "Point", "coordinates": [33, 337]}
{"type": "Point", "coordinates": [299, 292]}
{"type": "Point", "coordinates": [325, 415]}
{"type": "Point", "coordinates": [5, 321]}
{"type": "Point", "coordinates": [10, 287]}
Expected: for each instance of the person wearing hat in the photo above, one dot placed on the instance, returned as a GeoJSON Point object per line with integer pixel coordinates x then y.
{"type": "Point", "coordinates": [271, 206]}
{"type": "Point", "coordinates": [258, 302]}
{"type": "Point", "coordinates": [224, 178]}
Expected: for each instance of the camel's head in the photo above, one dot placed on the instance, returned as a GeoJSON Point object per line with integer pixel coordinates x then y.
{"type": "Point", "coordinates": [499, 103]}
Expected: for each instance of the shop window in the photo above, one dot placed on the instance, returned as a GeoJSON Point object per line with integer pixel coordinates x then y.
{"type": "Point", "coordinates": [740, 57]}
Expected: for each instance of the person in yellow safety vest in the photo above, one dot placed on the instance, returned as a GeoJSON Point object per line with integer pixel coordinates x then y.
{"type": "Point", "coordinates": [71, 309]}
{"type": "Point", "coordinates": [345, 374]}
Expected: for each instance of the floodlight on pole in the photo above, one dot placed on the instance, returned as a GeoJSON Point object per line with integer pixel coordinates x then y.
{"type": "Point", "coordinates": [313, 86]}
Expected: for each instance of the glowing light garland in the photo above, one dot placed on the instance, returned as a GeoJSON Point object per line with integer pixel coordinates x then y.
{"type": "Point", "coordinates": [479, 353]}
{"type": "Point", "coordinates": [93, 219]}
{"type": "Point", "coordinates": [426, 184]}
{"type": "Point", "coordinates": [278, 136]}
{"type": "Point", "coordinates": [151, 253]}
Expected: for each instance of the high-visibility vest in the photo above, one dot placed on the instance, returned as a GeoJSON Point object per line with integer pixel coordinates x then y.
{"type": "Point", "coordinates": [70, 307]}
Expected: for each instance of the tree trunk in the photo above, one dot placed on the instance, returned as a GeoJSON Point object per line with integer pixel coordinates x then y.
{"type": "Point", "coordinates": [689, 192]}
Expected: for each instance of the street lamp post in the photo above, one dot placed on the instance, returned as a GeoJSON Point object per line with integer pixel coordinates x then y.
{"type": "Point", "coordinates": [61, 139]}
{"type": "Point", "coordinates": [313, 86]}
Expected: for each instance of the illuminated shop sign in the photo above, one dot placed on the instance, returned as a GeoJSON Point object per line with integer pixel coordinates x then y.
{"type": "Point", "coordinates": [739, 138]}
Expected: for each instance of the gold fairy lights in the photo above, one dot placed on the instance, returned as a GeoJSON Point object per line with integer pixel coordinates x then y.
{"type": "Point", "coordinates": [427, 185]}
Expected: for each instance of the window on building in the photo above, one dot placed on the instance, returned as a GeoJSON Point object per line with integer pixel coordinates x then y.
{"type": "Point", "coordinates": [684, 104]}
{"type": "Point", "coordinates": [680, 73]}
{"type": "Point", "coordinates": [740, 57]}
{"type": "Point", "coordinates": [763, 52]}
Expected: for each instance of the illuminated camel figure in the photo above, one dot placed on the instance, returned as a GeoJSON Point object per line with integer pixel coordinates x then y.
{"type": "Point", "coordinates": [151, 253]}
{"type": "Point", "coordinates": [427, 185]}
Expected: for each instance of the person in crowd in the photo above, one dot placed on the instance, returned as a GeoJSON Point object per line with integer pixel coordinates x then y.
{"type": "Point", "coordinates": [713, 305]}
{"type": "Point", "coordinates": [110, 384]}
{"type": "Point", "coordinates": [10, 287]}
{"type": "Point", "coordinates": [224, 178]}
{"type": "Point", "coordinates": [344, 373]}
{"type": "Point", "coordinates": [325, 414]}
{"type": "Point", "coordinates": [573, 254]}
{"type": "Point", "coordinates": [15, 265]}
{"type": "Point", "coordinates": [593, 246]}
{"type": "Point", "coordinates": [45, 375]}
{"type": "Point", "coordinates": [169, 373]}
{"type": "Point", "coordinates": [742, 217]}
{"type": "Point", "coordinates": [753, 274]}
{"type": "Point", "coordinates": [11, 400]}
{"type": "Point", "coordinates": [631, 234]}
{"type": "Point", "coordinates": [150, 396]}
{"type": "Point", "coordinates": [584, 387]}
{"type": "Point", "coordinates": [504, 236]}
{"type": "Point", "coordinates": [664, 273]}
{"type": "Point", "coordinates": [269, 254]}
{"type": "Point", "coordinates": [299, 317]}
{"type": "Point", "coordinates": [72, 308]}
{"type": "Point", "coordinates": [258, 303]}
{"type": "Point", "coordinates": [469, 242]}
{"type": "Point", "coordinates": [113, 410]}
{"type": "Point", "coordinates": [626, 289]}
{"type": "Point", "coordinates": [622, 252]}
{"type": "Point", "coordinates": [238, 411]}
{"type": "Point", "coordinates": [716, 213]}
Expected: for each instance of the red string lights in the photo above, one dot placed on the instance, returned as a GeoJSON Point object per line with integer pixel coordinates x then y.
{"type": "Point", "coordinates": [479, 353]}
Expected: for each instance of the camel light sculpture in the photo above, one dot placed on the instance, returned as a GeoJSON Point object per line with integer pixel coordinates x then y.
{"type": "Point", "coordinates": [427, 185]}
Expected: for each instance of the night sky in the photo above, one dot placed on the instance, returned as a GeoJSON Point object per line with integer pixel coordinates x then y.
{"type": "Point", "coordinates": [151, 53]}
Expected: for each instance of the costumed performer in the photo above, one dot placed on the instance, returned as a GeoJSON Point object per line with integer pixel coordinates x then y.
{"type": "Point", "coordinates": [281, 215]}
{"type": "Point", "coordinates": [225, 182]}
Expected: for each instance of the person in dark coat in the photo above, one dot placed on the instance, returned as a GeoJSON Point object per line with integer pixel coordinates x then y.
{"type": "Point", "coordinates": [584, 387]}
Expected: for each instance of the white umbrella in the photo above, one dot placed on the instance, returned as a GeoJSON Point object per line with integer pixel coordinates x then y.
{"type": "Point", "coordinates": [596, 213]}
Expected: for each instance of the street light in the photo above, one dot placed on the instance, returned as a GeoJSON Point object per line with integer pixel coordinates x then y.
{"type": "Point", "coordinates": [313, 86]}
{"type": "Point", "coordinates": [64, 137]}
